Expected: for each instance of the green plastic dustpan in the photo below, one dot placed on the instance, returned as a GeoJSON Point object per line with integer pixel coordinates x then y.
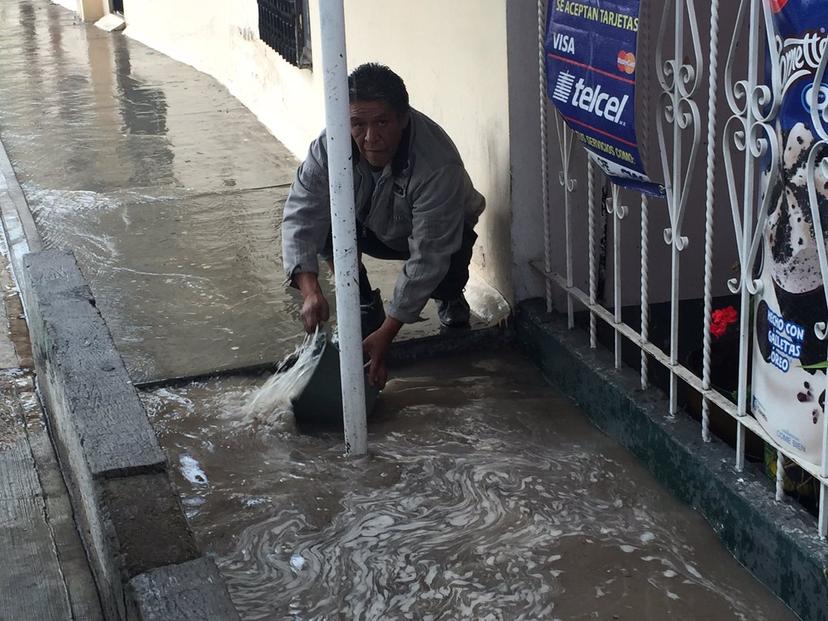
{"type": "Point", "coordinates": [320, 403]}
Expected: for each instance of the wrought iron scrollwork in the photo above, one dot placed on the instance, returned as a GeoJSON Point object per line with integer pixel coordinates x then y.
{"type": "Point", "coordinates": [679, 82]}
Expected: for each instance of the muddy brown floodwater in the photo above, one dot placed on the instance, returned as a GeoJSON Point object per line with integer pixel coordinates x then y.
{"type": "Point", "coordinates": [486, 496]}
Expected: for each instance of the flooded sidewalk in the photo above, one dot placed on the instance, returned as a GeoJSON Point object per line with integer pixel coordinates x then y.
{"type": "Point", "coordinates": [165, 187]}
{"type": "Point", "coordinates": [486, 496]}
{"type": "Point", "coordinates": [162, 184]}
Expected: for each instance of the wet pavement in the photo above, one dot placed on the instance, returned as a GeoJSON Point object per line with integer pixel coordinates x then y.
{"type": "Point", "coordinates": [44, 574]}
{"type": "Point", "coordinates": [163, 185]}
{"type": "Point", "coordinates": [486, 496]}
{"type": "Point", "coordinates": [167, 189]}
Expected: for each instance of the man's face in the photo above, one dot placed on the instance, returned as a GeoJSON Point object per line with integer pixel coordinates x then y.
{"type": "Point", "coordinates": [377, 130]}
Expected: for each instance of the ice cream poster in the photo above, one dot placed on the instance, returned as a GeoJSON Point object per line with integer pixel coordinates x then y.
{"type": "Point", "coordinates": [787, 397]}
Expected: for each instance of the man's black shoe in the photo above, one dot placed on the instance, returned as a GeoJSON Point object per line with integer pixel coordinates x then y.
{"type": "Point", "coordinates": [372, 312]}
{"type": "Point", "coordinates": [454, 313]}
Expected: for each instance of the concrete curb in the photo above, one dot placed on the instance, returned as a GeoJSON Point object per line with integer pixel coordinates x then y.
{"type": "Point", "coordinates": [179, 593]}
{"type": "Point", "coordinates": [777, 542]}
{"type": "Point", "coordinates": [18, 223]}
{"type": "Point", "coordinates": [129, 517]}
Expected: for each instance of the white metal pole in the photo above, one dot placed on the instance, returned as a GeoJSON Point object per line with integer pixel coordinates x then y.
{"type": "Point", "coordinates": [565, 138]}
{"type": "Point", "coordinates": [645, 287]}
{"type": "Point", "coordinates": [677, 190]}
{"type": "Point", "coordinates": [343, 223]}
{"type": "Point", "coordinates": [618, 214]}
{"type": "Point", "coordinates": [747, 233]}
{"type": "Point", "coordinates": [593, 282]}
{"type": "Point", "coordinates": [709, 231]}
{"type": "Point", "coordinates": [644, 44]}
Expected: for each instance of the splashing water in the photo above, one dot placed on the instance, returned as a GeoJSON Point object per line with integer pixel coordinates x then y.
{"type": "Point", "coordinates": [191, 470]}
{"type": "Point", "coordinates": [272, 405]}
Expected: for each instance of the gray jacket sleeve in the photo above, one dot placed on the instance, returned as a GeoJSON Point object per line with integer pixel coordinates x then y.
{"type": "Point", "coordinates": [307, 218]}
{"type": "Point", "coordinates": [437, 233]}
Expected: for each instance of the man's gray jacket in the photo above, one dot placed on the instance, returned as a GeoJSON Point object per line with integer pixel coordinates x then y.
{"type": "Point", "coordinates": [420, 204]}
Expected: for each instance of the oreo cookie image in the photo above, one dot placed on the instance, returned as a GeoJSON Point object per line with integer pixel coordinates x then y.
{"type": "Point", "coordinates": [801, 309]}
{"type": "Point", "coordinates": [792, 258]}
{"type": "Point", "coordinates": [785, 396]}
{"type": "Point", "coordinates": [763, 330]}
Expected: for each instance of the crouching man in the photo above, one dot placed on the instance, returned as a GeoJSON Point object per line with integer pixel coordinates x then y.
{"type": "Point", "coordinates": [414, 202]}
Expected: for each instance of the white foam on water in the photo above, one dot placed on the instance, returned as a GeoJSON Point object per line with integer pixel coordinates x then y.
{"type": "Point", "coordinates": [297, 561]}
{"type": "Point", "coordinates": [169, 395]}
{"type": "Point", "coordinates": [392, 555]}
{"type": "Point", "coordinates": [271, 405]}
{"type": "Point", "coordinates": [477, 520]}
{"type": "Point", "coordinates": [191, 470]}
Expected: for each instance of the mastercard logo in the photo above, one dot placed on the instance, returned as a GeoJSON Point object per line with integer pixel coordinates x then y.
{"type": "Point", "coordinates": [778, 5]}
{"type": "Point", "coordinates": [626, 62]}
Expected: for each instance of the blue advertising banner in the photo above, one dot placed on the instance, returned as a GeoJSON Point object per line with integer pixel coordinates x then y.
{"type": "Point", "coordinates": [591, 63]}
{"type": "Point", "coordinates": [787, 392]}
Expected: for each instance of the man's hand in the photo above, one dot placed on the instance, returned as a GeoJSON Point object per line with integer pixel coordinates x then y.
{"type": "Point", "coordinates": [315, 309]}
{"type": "Point", "coordinates": [375, 346]}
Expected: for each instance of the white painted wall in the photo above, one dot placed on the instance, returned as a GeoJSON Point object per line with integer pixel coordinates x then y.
{"type": "Point", "coordinates": [452, 57]}
{"type": "Point", "coordinates": [525, 153]}
{"type": "Point", "coordinates": [221, 39]}
{"type": "Point", "coordinates": [72, 5]}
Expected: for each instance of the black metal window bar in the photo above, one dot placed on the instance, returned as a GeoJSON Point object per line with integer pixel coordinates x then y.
{"type": "Point", "coordinates": [284, 26]}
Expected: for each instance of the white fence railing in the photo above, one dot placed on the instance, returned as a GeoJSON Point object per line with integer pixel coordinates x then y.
{"type": "Point", "coordinates": [749, 135]}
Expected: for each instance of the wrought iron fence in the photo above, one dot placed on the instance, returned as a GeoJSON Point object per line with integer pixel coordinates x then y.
{"type": "Point", "coordinates": [752, 101]}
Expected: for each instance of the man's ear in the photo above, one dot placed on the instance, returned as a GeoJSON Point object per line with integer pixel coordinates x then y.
{"type": "Point", "coordinates": [405, 118]}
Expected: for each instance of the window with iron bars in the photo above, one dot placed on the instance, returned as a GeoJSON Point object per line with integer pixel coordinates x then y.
{"type": "Point", "coordinates": [284, 26]}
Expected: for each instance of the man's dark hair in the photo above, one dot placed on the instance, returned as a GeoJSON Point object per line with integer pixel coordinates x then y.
{"type": "Point", "coordinates": [375, 82]}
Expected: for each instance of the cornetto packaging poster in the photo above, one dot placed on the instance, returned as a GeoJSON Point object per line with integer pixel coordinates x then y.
{"type": "Point", "coordinates": [591, 69]}
{"type": "Point", "coordinates": [787, 399]}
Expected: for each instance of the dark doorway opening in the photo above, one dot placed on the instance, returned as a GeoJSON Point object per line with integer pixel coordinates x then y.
{"type": "Point", "coordinates": [118, 6]}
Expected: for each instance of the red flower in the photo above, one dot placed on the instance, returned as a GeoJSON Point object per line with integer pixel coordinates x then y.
{"type": "Point", "coordinates": [721, 320]}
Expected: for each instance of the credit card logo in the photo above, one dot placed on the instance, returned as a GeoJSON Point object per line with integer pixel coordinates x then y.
{"type": "Point", "coordinates": [564, 43]}
{"type": "Point", "coordinates": [626, 62]}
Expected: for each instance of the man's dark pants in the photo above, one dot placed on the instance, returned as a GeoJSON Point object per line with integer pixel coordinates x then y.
{"type": "Point", "coordinates": [450, 288]}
